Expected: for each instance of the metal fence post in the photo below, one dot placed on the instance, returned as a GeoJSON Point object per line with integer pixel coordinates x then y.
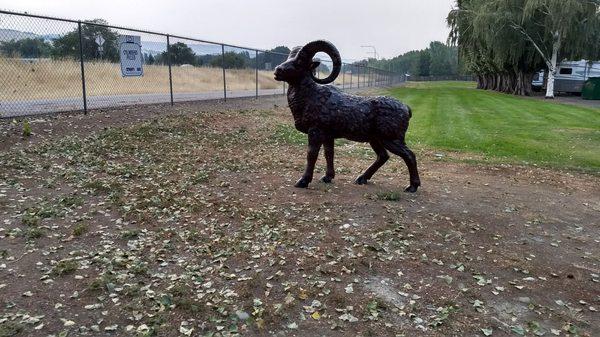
{"type": "Point", "coordinates": [223, 67]}
{"type": "Point", "coordinates": [169, 63]}
{"type": "Point", "coordinates": [358, 74]}
{"type": "Point", "coordinates": [256, 70]}
{"type": "Point", "coordinates": [283, 86]}
{"type": "Point", "coordinates": [351, 75]}
{"type": "Point", "coordinates": [365, 74]}
{"type": "Point", "coordinates": [343, 77]}
{"type": "Point", "coordinates": [82, 68]}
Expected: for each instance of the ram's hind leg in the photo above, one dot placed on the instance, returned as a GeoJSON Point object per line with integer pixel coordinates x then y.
{"type": "Point", "coordinates": [382, 157]}
{"type": "Point", "coordinates": [399, 148]}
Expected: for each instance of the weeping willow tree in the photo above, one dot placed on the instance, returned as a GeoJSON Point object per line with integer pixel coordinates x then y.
{"type": "Point", "coordinates": [504, 42]}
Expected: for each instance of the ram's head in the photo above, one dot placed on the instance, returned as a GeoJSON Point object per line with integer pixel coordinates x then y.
{"type": "Point", "coordinates": [300, 63]}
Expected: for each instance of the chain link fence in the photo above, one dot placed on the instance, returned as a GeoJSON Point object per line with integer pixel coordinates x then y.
{"type": "Point", "coordinates": [468, 78]}
{"type": "Point", "coordinates": [54, 65]}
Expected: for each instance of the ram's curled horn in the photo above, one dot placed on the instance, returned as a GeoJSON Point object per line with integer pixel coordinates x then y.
{"type": "Point", "coordinates": [309, 51]}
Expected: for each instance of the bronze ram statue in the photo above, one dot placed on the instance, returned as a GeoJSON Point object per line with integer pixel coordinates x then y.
{"type": "Point", "coordinates": [325, 113]}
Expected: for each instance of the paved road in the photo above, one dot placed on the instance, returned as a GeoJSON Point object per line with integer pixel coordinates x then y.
{"type": "Point", "coordinates": [568, 99]}
{"type": "Point", "coordinates": [576, 100]}
{"type": "Point", "coordinates": [43, 106]}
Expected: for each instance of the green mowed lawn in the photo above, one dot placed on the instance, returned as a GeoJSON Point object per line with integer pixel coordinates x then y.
{"type": "Point", "coordinates": [456, 116]}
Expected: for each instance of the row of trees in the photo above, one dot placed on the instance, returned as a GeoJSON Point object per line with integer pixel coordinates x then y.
{"type": "Point", "coordinates": [27, 48]}
{"type": "Point", "coordinates": [438, 59]}
{"type": "Point", "coordinates": [67, 46]}
{"type": "Point", "coordinates": [504, 42]}
{"type": "Point", "coordinates": [183, 54]}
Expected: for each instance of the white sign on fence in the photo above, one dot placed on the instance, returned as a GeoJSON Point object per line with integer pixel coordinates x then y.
{"type": "Point", "coordinates": [130, 50]}
{"type": "Point", "coordinates": [99, 40]}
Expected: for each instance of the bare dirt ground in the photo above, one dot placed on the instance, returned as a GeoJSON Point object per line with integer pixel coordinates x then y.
{"type": "Point", "coordinates": [160, 221]}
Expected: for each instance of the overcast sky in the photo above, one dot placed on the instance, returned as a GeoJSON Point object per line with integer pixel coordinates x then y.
{"type": "Point", "coordinates": [392, 26]}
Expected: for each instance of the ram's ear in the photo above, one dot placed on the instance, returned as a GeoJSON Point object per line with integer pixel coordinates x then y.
{"type": "Point", "coordinates": [314, 65]}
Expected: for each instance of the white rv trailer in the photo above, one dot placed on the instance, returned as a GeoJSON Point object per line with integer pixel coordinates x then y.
{"type": "Point", "coordinates": [570, 76]}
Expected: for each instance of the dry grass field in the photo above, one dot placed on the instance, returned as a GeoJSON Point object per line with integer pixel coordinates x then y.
{"type": "Point", "coordinates": [53, 79]}
{"type": "Point", "coordinates": [56, 79]}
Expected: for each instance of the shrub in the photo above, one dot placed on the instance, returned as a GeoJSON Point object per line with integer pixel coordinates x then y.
{"type": "Point", "coordinates": [64, 267]}
{"type": "Point", "coordinates": [80, 229]}
{"type": "Point", "coordinates": [34, 233]}
{"type": "Point", "coordinates": [26, 128]}
{"type": "Point", "coordinates": [130, 234]}
{"type": "Point", "coordinates": [388, 196]}
{"type": "Point", "coordinates": [8, 329]}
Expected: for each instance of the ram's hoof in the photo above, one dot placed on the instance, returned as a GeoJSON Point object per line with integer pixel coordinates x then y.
{"type": "Point", "coordinates": [302, 183]}
{"type": "Point", "coordinates": [411, 189]}
{"type": "Point", "coordinates": [361, 181]}
{"type": "Point", "coordinates": [326, 179]}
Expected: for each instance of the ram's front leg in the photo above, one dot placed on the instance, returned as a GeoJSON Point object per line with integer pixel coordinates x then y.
{"type": "Point", "coordinates": [330, 173]}
{"type": "Point", "coordinates": [314, 145]}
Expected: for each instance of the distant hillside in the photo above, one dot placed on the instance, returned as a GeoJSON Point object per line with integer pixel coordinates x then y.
{"type": "Point", "coordinates": [149, 47]}
{"type": "Point", "coordinates": [11, 34]}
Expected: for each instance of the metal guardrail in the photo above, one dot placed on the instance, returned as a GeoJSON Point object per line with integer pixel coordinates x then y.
{"type": "Point", "coordinates": [51, 64]}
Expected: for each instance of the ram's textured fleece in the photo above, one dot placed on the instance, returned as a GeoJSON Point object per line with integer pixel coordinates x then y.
{"type": "Point", "coordinates": [325, 113]}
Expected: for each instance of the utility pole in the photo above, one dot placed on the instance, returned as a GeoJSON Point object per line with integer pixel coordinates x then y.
{"type": "Point", "coordinates": [374, 52]}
